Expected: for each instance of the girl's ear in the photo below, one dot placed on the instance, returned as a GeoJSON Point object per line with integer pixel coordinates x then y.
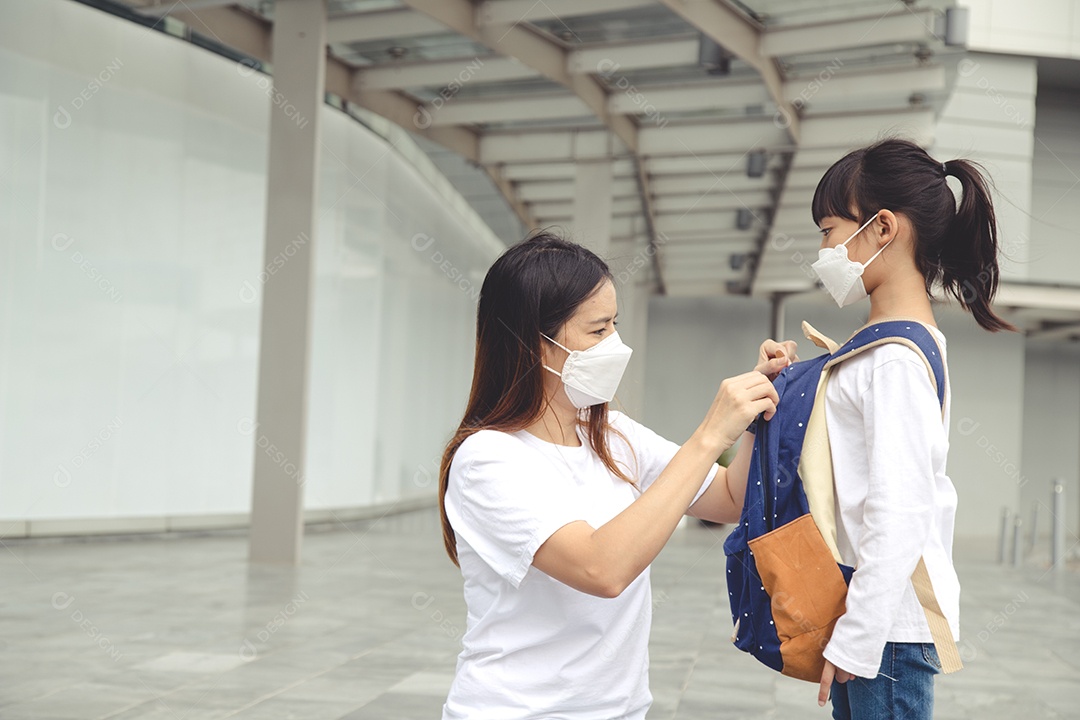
{"type": "Point", "coordinates": [886, 227]}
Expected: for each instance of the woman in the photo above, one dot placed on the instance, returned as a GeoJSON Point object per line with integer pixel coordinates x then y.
{"type": "Point", "coordinates": [554, 507]}
{"type": "Point", "coordinates": [892, 230]}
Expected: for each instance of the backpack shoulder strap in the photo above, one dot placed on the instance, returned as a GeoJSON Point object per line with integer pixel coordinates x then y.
{"type": "Point", "coordinates": [912, 333]}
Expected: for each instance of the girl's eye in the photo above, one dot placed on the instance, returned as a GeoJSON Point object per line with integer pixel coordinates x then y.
{"type": "Point", "coordinates": [825, 231]}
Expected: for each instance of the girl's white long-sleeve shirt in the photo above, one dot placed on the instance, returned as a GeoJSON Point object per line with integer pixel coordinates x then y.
{"type": "Point", "coordinates": [895, 501]}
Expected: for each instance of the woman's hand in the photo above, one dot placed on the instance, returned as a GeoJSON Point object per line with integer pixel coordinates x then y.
{"type": "Point", "coordinates": [775, 356]}
{"type": "Point", "coordinates": [827, 675]}
{"type": "Point", "coordinates": [739, 400]}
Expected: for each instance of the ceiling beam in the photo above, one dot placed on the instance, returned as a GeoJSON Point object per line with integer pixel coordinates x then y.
{"type": "Point", "coordinates": [1050, 297]}
{"type": "Point", "coordinates": [506, 187]}
{"type": "Point", "coordinates": [564, 191]}
{"type": "Point", "coordinates": [1056, 331]}
{"type": "Point", "coordinates": [713, 95]}
{"type": "Point", "coordinates": [902, 26]}
{"type": "Point", "coordinates": [550, 146]}
{"type": "Point", "coordinates": [395, 76]}
{"type": "Point", "coordinates": [603, 60]}
{"type": "Point", "coordinates": [509, 12]}
{"type": "Point", "coordinates": [657, 100]}
{"type": "Point", "coordinates": [697, 141]}
{"type": "Point", "coordinates": [716, 198]}
{"type": "Point", "coordinates": [897, 84]}
{"type": "Point", "coordinates": [160, 9]}
{"type": "Point", "coordinates": [380, 25]}
{"type": "Point", "coordinates": [690, 185]}
{"type": "Point", "coordinates": [648, 211]}
{"type": "Point", "coordinates": [519, 109]}
{"type": "Point", "coordinates": [742, 37]}
{"type": "Point", "coordinates": [713, 137]}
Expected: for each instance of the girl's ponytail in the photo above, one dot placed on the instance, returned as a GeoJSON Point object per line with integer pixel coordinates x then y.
{"type": "Point", "coordinates": [969, 248]}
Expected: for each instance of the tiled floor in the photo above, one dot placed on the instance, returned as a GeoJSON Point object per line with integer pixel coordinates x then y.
{"type": "Point", "coordinates": [368, 628]}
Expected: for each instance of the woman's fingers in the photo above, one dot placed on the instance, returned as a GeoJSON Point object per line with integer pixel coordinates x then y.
{"type": "Point", "coordinates": [739, 400]}
{"type": "Point", "coordinates": [771, 368]}
{"type": "Point", "coordinates": [763, 387]}
{"type": "Point", "coordinates": [766, 406]}
{"type": "Point", "coordinates": [771, 348]}
{"type": "Point", "coordinates": [756, 394]}
{"type": "Point", "coordinates": [774, 356]}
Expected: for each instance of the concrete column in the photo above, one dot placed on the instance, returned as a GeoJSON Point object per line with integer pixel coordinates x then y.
{"type": "Point", "coordinates": [299, 65]}
{"type": "Point", "coordinates": [592, 206]}
{"type": "Point", "coordinates": [633, 329]}
{"type": "Point", "coordinates": [778, 316]}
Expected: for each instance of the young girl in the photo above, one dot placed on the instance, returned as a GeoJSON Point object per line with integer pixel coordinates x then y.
{"type": "Point", "coordinates": [554, 508]}
{"type": "Point", "coordinates": [892, 229]}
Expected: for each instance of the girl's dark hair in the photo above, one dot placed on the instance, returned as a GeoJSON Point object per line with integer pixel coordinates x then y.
{"type": "Point", "coordinates": [956, 246]}
{"type": "Point", "coordinates": [533, 288]}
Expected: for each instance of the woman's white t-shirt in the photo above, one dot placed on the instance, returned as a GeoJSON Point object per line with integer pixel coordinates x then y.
{"type": "Point", "coordinates": [533, 647]}
{"type": "Point", "coordinates": [895, 501]}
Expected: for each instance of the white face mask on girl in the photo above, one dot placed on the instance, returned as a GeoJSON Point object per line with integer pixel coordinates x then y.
{"type": "Point", "coordinates": [842, 276]}
{"type": "Point", "coordinates": [591, 376]}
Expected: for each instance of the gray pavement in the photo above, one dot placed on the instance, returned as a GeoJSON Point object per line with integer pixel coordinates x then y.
{"type": "Point", "coordinates": [368, 627]}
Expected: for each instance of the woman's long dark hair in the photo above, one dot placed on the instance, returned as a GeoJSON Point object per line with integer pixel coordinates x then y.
{"type": "Point", "coordinates": [533, 288]}
{"type": "Point", "coordinates": [956, 246]}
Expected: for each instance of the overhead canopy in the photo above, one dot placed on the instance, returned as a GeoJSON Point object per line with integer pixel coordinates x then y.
{"type": "Point", "coordinates": [719, 117]}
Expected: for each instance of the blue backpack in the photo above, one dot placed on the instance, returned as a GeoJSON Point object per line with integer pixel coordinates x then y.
{"type": "Point", "coordinates": [786, 582]}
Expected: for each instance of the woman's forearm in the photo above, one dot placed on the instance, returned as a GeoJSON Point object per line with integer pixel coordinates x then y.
{"type": "Point", "coordinates": [630, 541]}
{"type": "Point", "coordinates": [605, 560]}
{"type": "Point", "coordinates": [738, 473]}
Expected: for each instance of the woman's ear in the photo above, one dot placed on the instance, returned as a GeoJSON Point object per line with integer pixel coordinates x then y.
{"type": "Point", "coordinates": [886, 227]}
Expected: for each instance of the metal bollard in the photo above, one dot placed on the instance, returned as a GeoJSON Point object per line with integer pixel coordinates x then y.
{"type": "Point", "coordinates": [1017, 550]}
{"type": "Point", "coordinates": [1003, 540]}
{"type": "Point", "coordinates": [1057, 531]}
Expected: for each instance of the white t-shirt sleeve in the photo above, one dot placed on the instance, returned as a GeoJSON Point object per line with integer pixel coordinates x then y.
{"type": "Point", "coordinates": [902, 423]}
{"type": "Point", "coordinates": [505, 501]}
{"type": "Point", "coordinates": [651, 453]}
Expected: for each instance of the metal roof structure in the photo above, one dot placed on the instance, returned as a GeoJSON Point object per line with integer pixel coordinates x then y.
{"type": "Point", "coordinates": [719, 117]}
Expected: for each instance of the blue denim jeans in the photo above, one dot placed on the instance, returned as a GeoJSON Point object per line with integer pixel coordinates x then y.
{"type": "Point", "coordinates": [903, 689]}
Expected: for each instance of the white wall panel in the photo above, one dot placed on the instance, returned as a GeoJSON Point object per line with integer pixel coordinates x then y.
{"type": "Point", "coordinates": [132, 206]}
{"type": "Point", "coordinates": [1055, 252]}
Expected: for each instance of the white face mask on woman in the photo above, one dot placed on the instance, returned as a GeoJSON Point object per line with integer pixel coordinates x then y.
{"type": "Point", "coordinates": [842, 276]}
{"type": "Point", "coordinates": [592, 376]}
